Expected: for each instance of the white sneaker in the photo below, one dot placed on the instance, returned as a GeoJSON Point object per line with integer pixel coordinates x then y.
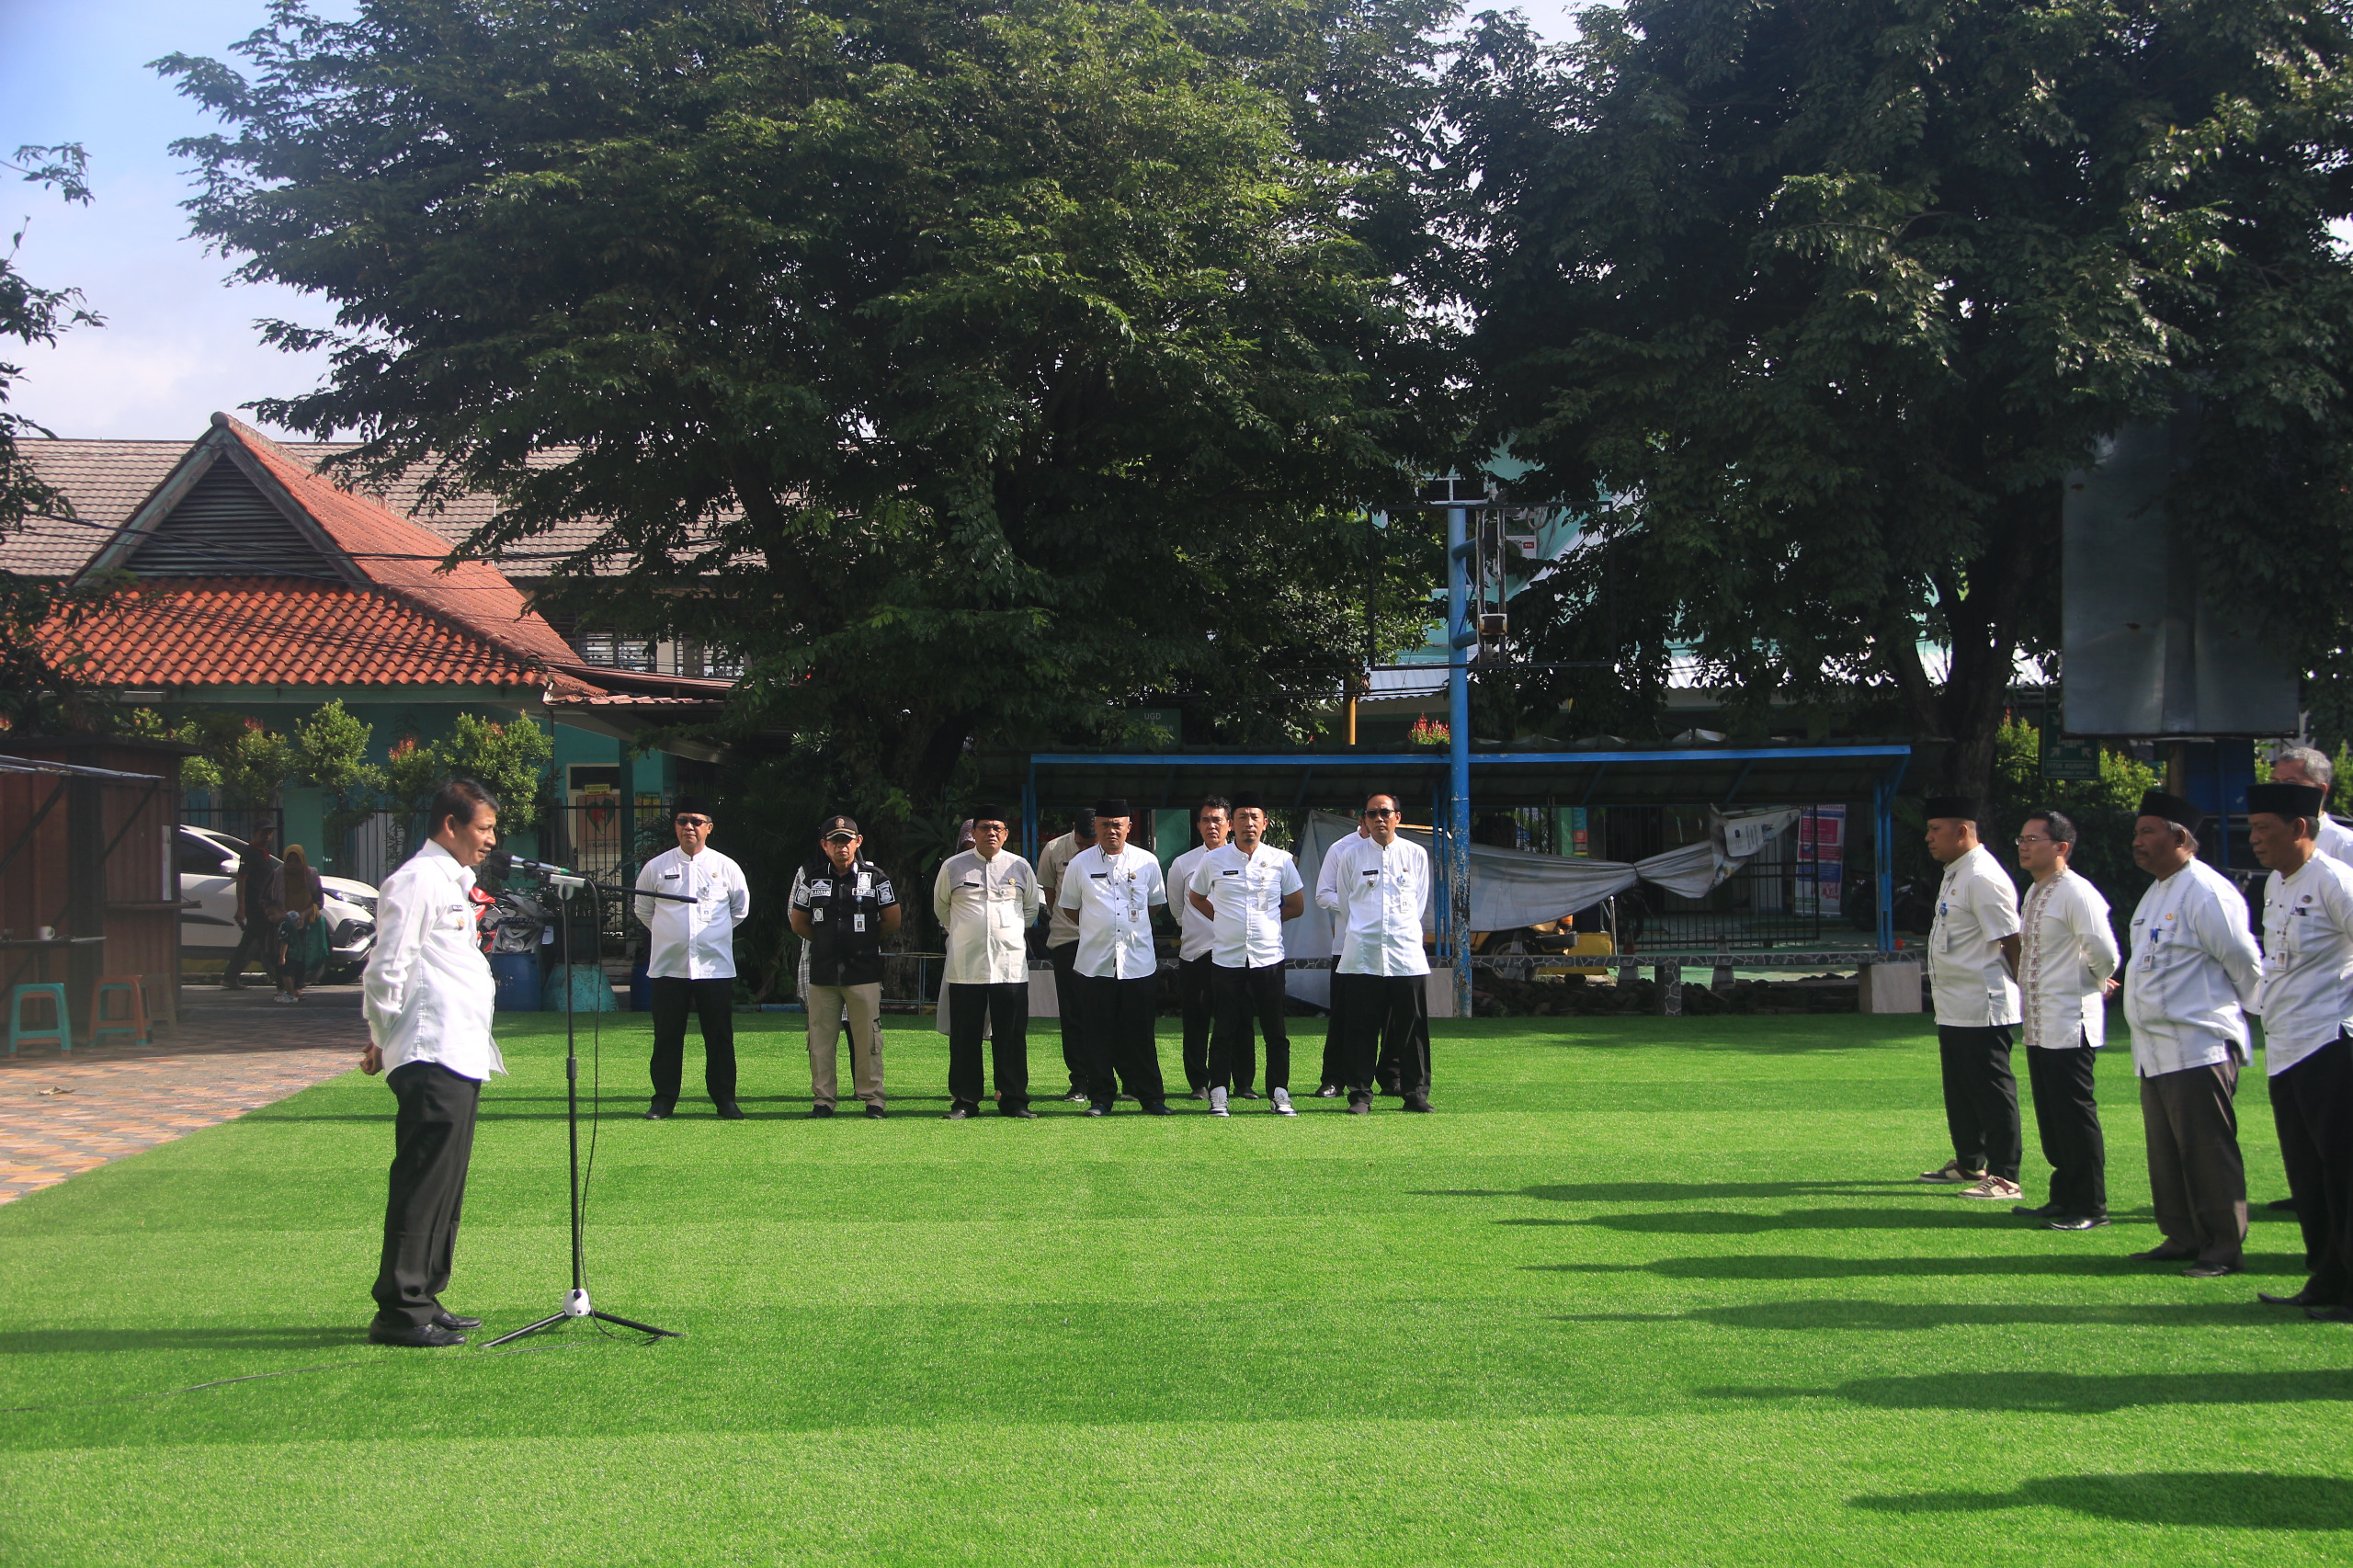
{"type": "Point", "coordinates": [1282, 1103]}
{"type": "Point", "coordinates": [1217, 1103]}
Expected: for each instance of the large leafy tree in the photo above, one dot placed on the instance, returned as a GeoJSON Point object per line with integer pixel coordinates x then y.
{"type": "Point", "coordinates": [974, 369]}
{"type": "Point", "coordinates": [1827, 296]}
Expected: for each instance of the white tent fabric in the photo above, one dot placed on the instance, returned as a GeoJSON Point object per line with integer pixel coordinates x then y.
{"type": "Point", "coordinates": [1517, 887]}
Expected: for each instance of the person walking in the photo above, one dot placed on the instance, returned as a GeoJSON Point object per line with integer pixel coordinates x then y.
{"type": "Point", "coordinates": [294, 888]}
{"type": "Point", "coordinates": [1061, 949]}
{"type": "Point", "coordinates": [690, 959]}
{"type": "Point", "coordinates": [1197, 934]}
{"type": "Point", "coordinates": [2311, 766]}
{"type": "Point", "coordinates": [2067, 958]}
{"type": "Point", "coordinates": [1381, 889]}
{"type": "Point", "coordinates": [1249, 888]}
{"type": "Point", "coordinates": [1110, 890]}
{"type": "Point", "coordinates": [427, 997]}
{"type": "Point", "coordinates": [1972, 946]}
{"type": "Point", "coordinates": [257, 917]}
{"type": "Point", "coordinates": [843, 907]}
{"type": "Point", "coordinates": [985, 899]}
{"type": "Point", "coordinates": [2190, 973]}
{"type": "Point", "coordinates": [2306, 1003]}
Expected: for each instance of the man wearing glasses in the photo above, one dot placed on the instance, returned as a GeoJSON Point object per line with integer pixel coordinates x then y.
{"type": "Point", "coordinates": [843, 907]}
{"type": "Point", "coordinates": [2066, 957]}
{"type": "Point", "coordinates": [1380, 891]}
{"type": "Point", "coordinates": [692, 959]}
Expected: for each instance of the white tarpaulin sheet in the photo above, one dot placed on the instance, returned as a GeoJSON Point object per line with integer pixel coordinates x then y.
{"type": "Point", "coordinates": [1517, 887]}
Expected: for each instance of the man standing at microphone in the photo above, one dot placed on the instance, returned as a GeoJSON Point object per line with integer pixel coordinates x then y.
{"type": "Point", "coordinates": [427, 998]}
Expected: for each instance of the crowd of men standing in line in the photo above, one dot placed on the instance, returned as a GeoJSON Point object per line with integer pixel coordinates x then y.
{"type": "Point", "coordinates": [2039, 974]}
{"type": "Point", "coordinates": [1230, 898]}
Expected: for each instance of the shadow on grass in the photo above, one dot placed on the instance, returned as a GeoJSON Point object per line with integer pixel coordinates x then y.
{"type": "Point", "coordinates": [1908, 1317]}
{"type": "Point", "coordinates": [2225, 1499]}
{"type": "Point", "coordinates": [1713, 1222]}
{"type": "Point", "coordinates": [1668, 1191]}
{"type": "Point", "coordinates": [2067, 1392]}
{"type": "Point", "coordinates": [103, 1341]}
{"type": "Point", "coordinates": [2114, 1266]}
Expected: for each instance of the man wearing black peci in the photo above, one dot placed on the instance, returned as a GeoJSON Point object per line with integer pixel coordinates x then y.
{"type": "Point", "coordinates": [1971, 946]}
{"type": "Point", "coordinates": [1109, 892]}
{"type": "Point", "coordinates": [428, 998]}
{"type": "Point", "coordinates": [690, 958]}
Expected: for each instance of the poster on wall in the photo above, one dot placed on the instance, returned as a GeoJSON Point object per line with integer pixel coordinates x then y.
{"type": "Point", "coordinates": [1822, 859]}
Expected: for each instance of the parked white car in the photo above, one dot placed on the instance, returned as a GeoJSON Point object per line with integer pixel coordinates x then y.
{"type": "Point", "coordinates": [208, 862]}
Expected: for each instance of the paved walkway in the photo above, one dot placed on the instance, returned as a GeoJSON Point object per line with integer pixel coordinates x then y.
{"type": "Point", "coordinates": [234, 1052]}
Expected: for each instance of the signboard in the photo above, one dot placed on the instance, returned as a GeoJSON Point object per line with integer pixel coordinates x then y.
{"type": "Point", "coordinates": [1820, 883]}
{"type": "Point", "coordinates": [2064, 757]}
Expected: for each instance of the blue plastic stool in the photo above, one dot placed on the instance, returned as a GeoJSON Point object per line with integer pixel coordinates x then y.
{"type": "Point", "coordinates": [60, 1034]}
{"type": "Point", "coordinates": [133, 1020]}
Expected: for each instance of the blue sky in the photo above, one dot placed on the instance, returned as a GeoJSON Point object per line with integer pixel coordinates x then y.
{"type": "Point", "coordinates": [179, 341]}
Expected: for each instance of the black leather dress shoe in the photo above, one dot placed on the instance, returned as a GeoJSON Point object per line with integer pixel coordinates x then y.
{"type": "Point", "coordinates": [446, 1319]}
{"type": "Point", "coordinates": [959, 1113]}
{"type": "Point", "coordinates": [2076, 1222]}
{"type": "Point", "coordinates": [1248, 1094]}
{"type": "Point", "coordinates": [1328, 1092]}
{"type": "Point", "coordinates": [1023, 1111]}
{"type": "Point", "coordinates": [1099, 1110]}
{"type": "Point", "coordinates": [418, 1335]}
{"type": "Point", "coordinates": [2301, 1298]}
{"type": "Point", "coordinates": [2213, 1270]}
{"type": "Point", "coordinates": [1417, 1102]}
{"type": "Point", "coordinates": [657, 1111]}
{"type": "Point", "coordinates": [1359, 1105]}
{"type": "Point", "coordinates": [2038, 1211]}
{"type": "Point", "coordinates": [730, 1111]}
{"type": "Point", "coordinates": [1160, 1107]}
{"type": "Point", "coordinates": [875, 1113]}
{"type": "Point", "coordinates": [2159, 1254]}
{"type": "Point", "coordinates": [821, 1111]}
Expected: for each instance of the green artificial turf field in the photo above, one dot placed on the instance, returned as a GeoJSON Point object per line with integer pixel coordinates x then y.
{"type": "Point", "coordinates": [1655, 1291]}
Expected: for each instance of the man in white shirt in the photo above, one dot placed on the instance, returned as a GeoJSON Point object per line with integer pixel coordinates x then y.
{"type": "Point", "coordinates": [2307, 1006]}
{"type": "Point", "coordinates": [985, 899]}
{"type": "Point", "coordinates": [2066, 956]}
{"type": "Point", "coordinates": [427, 997]}
{"type": "Point", "coordinates": [1381, 888]}
{"type": "Point", "coordinates": [1062, 948]}
{"type": "Point", "coordinates": [1972, 945]}
{"type": "Point", "coordinates": [1197, 934]}
{"type": "Point", "coordinates": [2309, 765]}
{"type": "Point", "coordinates": [2191, 970]}
{"type": "Point", "coordinates": [1109, 892]}
{"type": "Point", "coordinates": [691, 959]}
{"type": "Point", "coordinates": [1335, 1014]}
{"type": "Point", "coordinates": [1249, 888]}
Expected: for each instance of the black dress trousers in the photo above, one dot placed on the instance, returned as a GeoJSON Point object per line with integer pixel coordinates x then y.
{"type": "Point", "coordinates": [1389, 1024]}
{"type": "Point", "coordinates": [2066, 1114]}
{"type": "Point", "coordinates": [1004, 1011]}
{"type": "Point", "coordinates": [1197, 992]}
{"type": "Point", "coordinates": [1981, 1099]}
{"type": "Point", "coordinates": [1335, 1027]}
{"type": "Point", "coordinates": [713, 1003]}
{"type": "Point", "coordinates": [1244, 995]}
{"type": "Point", "coordinates": [2311, 1104]}
{"type": "Point", "coordinates": [1120, 1031]}
{"type": "Point", "coordinates": [1070, 1001]}
{"type": "Point", "coordinates": [433, 1139]}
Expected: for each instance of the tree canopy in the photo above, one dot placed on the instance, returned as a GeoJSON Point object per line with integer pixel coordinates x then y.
{"type": "Point", "coordinates": [1825, 299]}
{"type": "Point", "coordinates": [981, 368]}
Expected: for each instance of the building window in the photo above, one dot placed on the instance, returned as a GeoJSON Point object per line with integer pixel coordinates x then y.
{"type": "Point", "coordinates": [613, 651]}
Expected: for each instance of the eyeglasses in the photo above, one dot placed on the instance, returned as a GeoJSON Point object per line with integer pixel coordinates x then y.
{"type": "Point", "coordinates": [694, 821]}
{"type": "Point", "coordinates": [1381, 811]}
{"type": "Point", "coordinates": [2023, 840]}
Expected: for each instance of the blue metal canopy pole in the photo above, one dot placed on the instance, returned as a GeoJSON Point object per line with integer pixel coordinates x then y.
{"type": "Point", "coordinates": [1460, 638]}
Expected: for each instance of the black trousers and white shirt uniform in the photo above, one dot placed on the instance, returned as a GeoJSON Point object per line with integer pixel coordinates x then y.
{"type": "Point", "coordinates": [691, 965]}
{"type": "Point", "coordinates": [1977, 1010]}
{"type": "Point", "coordinates": [986, 905]}
{"type": "Point", "coordinates": [2307, 1002]}
{"type": "Point", "coordinates": [427, 997]}
{"type": "Point", "coordinates": [1246, 892]}
{"type": "Point", "coordinates": [1382, 894]}
{"type": "Point", "coordinates": [2066, 951]}
{"type": "Point", "coordinates": [1117, 970]}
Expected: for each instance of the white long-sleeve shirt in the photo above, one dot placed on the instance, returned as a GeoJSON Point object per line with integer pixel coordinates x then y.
{"type": "Point", "coordinates": [1110, 897]}
{"type": "Point", "coordinates": [2066, 949]}
{"type": "Point", "coordinates": [2306, 999]}
{"type": "Point", "coordinates": [2192, 970]}
{"type": "Point", "coordinates": [1383, 893]}
{"type": "Point", "coordinates": [1197, 932]}
{"type": "Point", "coordinates": [1977, 905]}
{"type": "Point", "coordinates": [1327, 892]}
{"type": "Point", "coordinates": [428, 994]}
{"type": "Point", "coordinates": [1247, 892]}
{"type": "Point", "coordinates": [2334, 839]}
{"type": "Point", "coordinates": [986, 906]}
{"type": "Point", "coordinates": [692, 941]}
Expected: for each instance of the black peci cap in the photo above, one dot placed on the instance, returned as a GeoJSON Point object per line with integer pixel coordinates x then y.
{"type": "Point", "coordinates": [1112, 807]}
{"type": "Point", "coordinates": [1249, 800]}
{"type": "Point", "coordinates": [1959, 807]}
{"type": "Point", "coordinates": [2173, 809]}
{"type": "Point", "coordinates": [989, 811]}
{"type": "Point", "coordinates": [690, 806]}
{"type": "Point", "coordinates": [2306, 801]}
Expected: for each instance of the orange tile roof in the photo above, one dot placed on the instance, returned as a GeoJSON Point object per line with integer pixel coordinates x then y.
{"type": "Point", "coordinates": [277, 631]}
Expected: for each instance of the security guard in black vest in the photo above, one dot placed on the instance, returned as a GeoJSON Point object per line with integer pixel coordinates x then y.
{"type": "Point", "coordinates": [843, 907]}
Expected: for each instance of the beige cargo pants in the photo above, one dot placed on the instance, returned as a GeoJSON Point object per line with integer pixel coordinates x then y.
{"type": "Point", "coordinates": [864, 1005]}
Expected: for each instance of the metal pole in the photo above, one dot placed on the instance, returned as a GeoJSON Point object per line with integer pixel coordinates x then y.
{"type": "Point", "coordinates": [1459, 638]}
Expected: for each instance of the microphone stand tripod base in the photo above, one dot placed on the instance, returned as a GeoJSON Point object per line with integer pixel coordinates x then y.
{"type": "Point", "coordinates": [577, 1305]}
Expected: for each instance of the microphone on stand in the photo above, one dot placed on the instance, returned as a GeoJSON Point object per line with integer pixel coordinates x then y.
{"type": "Point", "coordinates": [503, 862]}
